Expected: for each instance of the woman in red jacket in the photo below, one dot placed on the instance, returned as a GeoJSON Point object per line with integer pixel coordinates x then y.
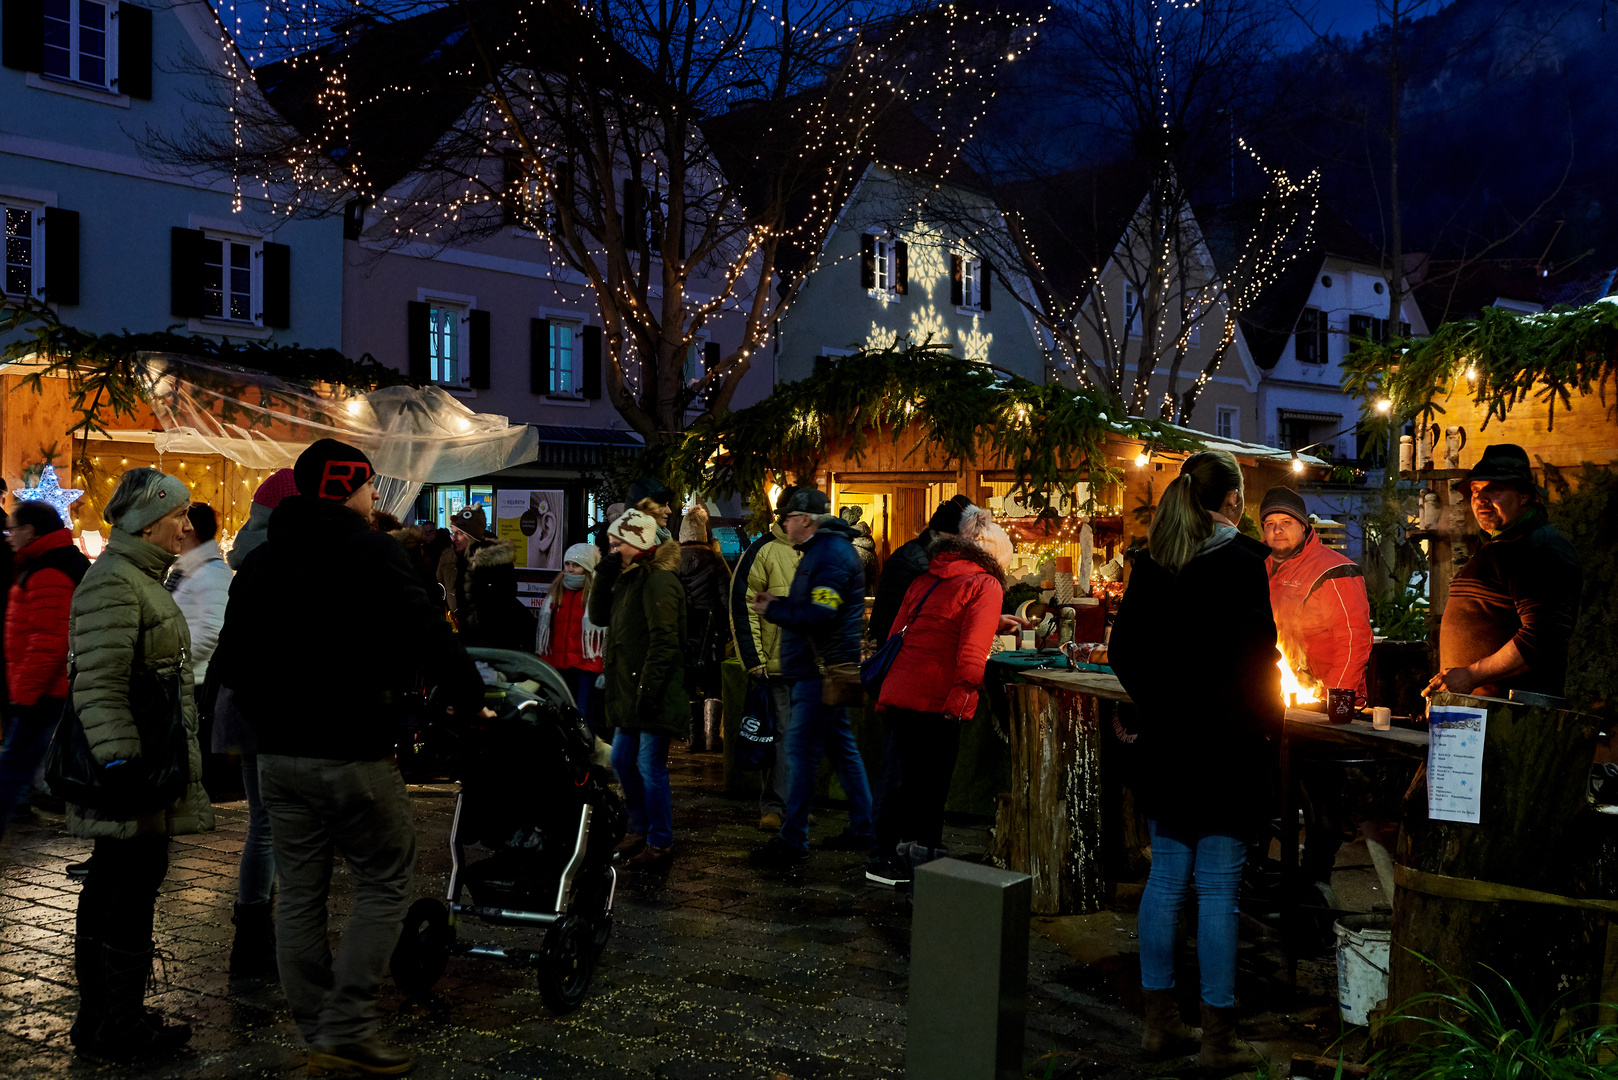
{"type": "Point", "coordinates": [567, 640]}
{"type": "Point", "coordinates": [948, 618]}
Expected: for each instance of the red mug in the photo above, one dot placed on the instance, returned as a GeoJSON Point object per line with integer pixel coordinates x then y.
{"type": "Point", "coordinates": [1342, 704]}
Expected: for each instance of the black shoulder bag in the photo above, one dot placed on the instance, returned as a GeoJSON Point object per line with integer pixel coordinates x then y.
{"type": "Point", "coordinates": [150, 783]}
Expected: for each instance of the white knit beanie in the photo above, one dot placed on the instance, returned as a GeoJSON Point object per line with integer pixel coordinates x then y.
{"type": "Point", "coordinates": [586, 555]}
{"type": "Point", "coordinates": [636, 528]}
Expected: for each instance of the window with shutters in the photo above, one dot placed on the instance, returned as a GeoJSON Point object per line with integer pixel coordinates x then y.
{"type": "Point", "coordinates": [228, 279]}
{"type": "Point", "coordinates": [1311, 342]}
{"type": "Point", "coordinates": [563, 348]}
{"type": "Point", "coordinates": [971, 283]}
{"type": "Point", "coordinates": [78, 39]}
{"type": "Point", "coordinates": [446, 343]}
{"type": "Point", "coordinates": [23, 250]}
{"type": "Point", "coordinates": [886, 283]}
{"type": "Point", "coordinates": [1228, 425]}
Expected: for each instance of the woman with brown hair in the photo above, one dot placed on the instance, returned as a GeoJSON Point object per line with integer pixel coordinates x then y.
{"type": "Point", "coordinates": [1194, 644]}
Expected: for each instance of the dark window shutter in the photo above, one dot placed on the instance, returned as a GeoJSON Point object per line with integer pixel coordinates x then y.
{"type": "Point", "coordinates": [134, 51]}
{"type": "Point", "coordinates": [277, 285]}
{"type": "Point", "coordinates": [901, 268]}
{"type": "Point", "coordinates": [22, 24]}
{"type": "Point", "coordinates": [353, 219]}
{"type": "Point", "coordinates": [418, 345]}
{"type": "Point", "coordinates": [957, 280]}
{"type": "Point", "coordinates": [985, 279]}
{"type": "Point", "coordinates": [511, 192]}
{"type": "Point", "coordinates": [867, 261]}
{"type": "Point", "coordinates": [477, 349]}
{"type": "Point", "coordinates": [185, 272]}
{"type": "Point", "coordinates": [1359, 328]}
{"type": "Point", "coordinates": [634, 223]}
{"type": "Point", "coordinates": [62, 256]}
{"type": "Point", "coordinates": [590, 380]}
{"type": "Point", "coordinates": [539, 356]}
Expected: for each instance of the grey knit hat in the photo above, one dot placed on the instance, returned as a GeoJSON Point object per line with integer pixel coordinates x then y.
{"type": "Point", "coordinates": [142, 497]}
{"type": "Point", "coordinates": [1283, 500]}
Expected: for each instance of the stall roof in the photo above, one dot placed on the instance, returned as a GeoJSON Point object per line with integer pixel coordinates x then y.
{"type": "Point", "coordinates": [1256, 451]}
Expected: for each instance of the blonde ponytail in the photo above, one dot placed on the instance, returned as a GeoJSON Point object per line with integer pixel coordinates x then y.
{"type": "Point", "coordinates": [1183, 520]}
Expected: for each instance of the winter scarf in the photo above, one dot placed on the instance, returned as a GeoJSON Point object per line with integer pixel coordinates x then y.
{"type": "Point", "coordinates": [593, 638]}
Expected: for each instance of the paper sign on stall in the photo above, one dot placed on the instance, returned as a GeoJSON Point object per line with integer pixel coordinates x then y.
{"type": "Point", "coordinates": [1455, 762]}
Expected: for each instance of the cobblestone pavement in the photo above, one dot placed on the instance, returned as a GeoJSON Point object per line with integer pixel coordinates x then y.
{"type": "Point", "coordinates": [714, 971]}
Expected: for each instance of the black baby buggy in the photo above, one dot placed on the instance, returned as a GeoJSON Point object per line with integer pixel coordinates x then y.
{"type": "Point", "coordinates": [546, 824]}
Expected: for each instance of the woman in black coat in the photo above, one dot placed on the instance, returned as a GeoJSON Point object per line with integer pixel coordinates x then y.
{"type": "Point", "coordinates": [1194, 644]}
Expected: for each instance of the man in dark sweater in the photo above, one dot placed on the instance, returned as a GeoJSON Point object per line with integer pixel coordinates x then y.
{"type": "Point", "coordinates": [1512, 607]}
{"type": "Point", "coordinates": [327, 628]}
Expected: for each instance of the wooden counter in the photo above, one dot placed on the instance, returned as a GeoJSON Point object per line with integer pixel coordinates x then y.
{"type": "Point", "coordinates": [1050, 826]}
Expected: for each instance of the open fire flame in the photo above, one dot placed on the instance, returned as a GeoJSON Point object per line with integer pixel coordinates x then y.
{"type": "Point", "coordinates": [1293, 692]}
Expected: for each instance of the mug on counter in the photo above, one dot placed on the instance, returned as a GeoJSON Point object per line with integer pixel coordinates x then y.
{"type": "Point", "coordinates": [1382, 718]}
{"type": "Point", "coordinates": [1341, 705]}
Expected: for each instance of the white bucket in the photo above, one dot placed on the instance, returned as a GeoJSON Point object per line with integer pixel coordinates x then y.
{"type": "Point", "coordinates": [1363, 945]}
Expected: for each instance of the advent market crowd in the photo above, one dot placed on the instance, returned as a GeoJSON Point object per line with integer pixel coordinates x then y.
{"type": "Point", "coordinates": [300, 646]}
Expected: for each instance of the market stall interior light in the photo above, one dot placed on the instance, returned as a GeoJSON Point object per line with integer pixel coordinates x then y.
{"type": "Point", "coordinates": [1297, 463]}
{"type": "Point", "coordinates": [1142, 460]}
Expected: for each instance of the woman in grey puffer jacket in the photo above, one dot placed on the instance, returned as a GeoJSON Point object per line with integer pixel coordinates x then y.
{"type": "Point", "coordinates": [125, 630]}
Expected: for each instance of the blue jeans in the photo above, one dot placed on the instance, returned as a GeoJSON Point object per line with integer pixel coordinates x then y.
{"type": "Point", "coordinates": [1215, 859]}
{"type": "Point", "coordinates": [588, 699]}
{"type": "Point", "coordinates": [817, 730]}
{"type": "Point", "coordinates": [641, 760]}
{"type": "Point", "coordinates": [27, 739]}
{"type": "Point", "coordinates": [256, 874]}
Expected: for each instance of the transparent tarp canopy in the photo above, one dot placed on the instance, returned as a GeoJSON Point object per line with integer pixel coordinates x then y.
{"type": "Point", "coordinates": [412, 435]}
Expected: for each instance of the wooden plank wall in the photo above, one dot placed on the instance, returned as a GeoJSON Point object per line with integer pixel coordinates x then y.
{"type": "Point", "coordinates": [1586, 432]}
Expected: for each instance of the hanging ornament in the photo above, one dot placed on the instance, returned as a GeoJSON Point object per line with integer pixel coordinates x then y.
{"type": "Point", "coordinates": [52, 494]}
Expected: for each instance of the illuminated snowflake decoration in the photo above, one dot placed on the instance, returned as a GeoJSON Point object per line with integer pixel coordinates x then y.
{"type": "Point", "coordinates": [51, 494]}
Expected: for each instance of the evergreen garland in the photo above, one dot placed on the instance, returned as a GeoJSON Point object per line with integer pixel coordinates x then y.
{"type": "Point", "coordinates": [1506, 359]}
{"type": "Point", "coordinates": [1050, 436]}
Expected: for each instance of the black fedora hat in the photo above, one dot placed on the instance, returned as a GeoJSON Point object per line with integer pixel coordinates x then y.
{"type": "Point", "coordinates": [1505, 463]}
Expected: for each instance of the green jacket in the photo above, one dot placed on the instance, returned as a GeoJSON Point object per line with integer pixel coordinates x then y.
{"type": "Point", "coordinates": [125, 623]}
{"type": "Point", "coordinates": [643, 609]}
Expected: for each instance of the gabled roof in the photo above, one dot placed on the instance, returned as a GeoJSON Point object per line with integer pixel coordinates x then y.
{"type": "Point", "coordinates": [1269, 322]}
{"type": "Point", "coordinates": [1073, 222]}
{"type": "Point", "coordinates": [408, 82]}
{"type": "Point", "coordinates": [754, 143]}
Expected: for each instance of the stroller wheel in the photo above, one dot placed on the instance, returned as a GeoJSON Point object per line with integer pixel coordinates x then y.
{"type": "Point", "coordinates": [567, 963]}
{"type": "Point", "coordinates": [423, 949]}
{"type": "Point", "coordinates": [603, 931]}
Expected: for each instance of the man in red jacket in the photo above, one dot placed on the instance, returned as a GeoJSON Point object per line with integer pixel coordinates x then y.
{"type": "Point", "coordinates": [48, 569]}
{"type": "Point", "coordinates": [1322, 616]}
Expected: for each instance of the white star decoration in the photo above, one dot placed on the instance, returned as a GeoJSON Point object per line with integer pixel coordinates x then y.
{"type": "Point", "coordinates": [52, 494]}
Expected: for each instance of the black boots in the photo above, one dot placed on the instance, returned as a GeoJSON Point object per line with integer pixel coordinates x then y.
{"type": "Point", "coordinates": [112, 992]}
{"type": "Point", "coordinates": [253, 952]}
{"type": "Point", "coordinates": [92, 993]}
{"type": "Point", "coordinates": [1166, 1034]}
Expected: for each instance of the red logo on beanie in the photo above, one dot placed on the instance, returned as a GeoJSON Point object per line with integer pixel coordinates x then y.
{"type": "Point", "coordinates": [340, 479]}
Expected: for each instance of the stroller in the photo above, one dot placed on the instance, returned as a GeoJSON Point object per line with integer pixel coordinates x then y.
{"type": "Point", "coordinates": [529, 795]}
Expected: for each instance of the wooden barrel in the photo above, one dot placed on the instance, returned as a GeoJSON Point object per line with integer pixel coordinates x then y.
{"type": "Point", "coordinates": [1510, 892]}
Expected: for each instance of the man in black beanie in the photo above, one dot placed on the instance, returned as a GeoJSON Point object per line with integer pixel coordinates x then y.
{"type": "Point", "coordinates": [327, 629]}
{"type": "Point", "coordinates": [909, 563]}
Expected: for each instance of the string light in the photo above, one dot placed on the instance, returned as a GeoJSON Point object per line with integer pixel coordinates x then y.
{"type": "Point", "coordinates": [560, 183]}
